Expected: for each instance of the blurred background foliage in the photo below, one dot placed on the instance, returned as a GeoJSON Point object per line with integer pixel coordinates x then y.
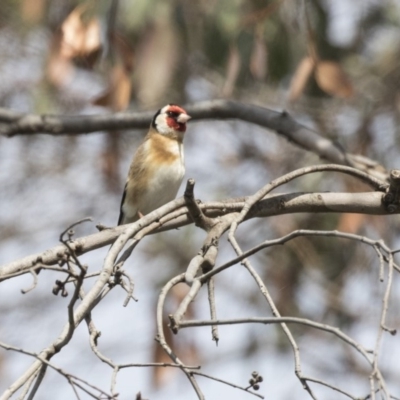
{"type": "Point", "coordinates": [334, 65]}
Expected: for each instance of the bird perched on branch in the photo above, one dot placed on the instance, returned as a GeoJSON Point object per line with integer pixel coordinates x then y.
{"type": "Point", "coordinates": [157, 168]}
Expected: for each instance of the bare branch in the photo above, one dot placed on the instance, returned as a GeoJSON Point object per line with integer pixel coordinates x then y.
{"type": "Point", "coordinates": [227, 383]}
{"type": "Point", "coordinates": [45, 363]}
{"type": "Point", "coordinates": [278, 320]}
{"type": "Point", "coordinates": [376, 244]}
{"type": "Point", "coordinates": [335, 388]}
{"type": "Point", "coordinates": [216, 218]}
{"type": "Point", "coordinates": [27, 386]}
{"type": "Point", "coordinates": [250, 201]}
{"type": "Point", "coordinates": [34, 283]}
{"type": "Point", "coordinates": [14, 123]}
{"type": "Point", "coordinates": [161, 337]}
{"type": "Point", "coordinates": [195, 211]}
{"type": "Point", "coordinates": [213, 310]}
{"type": "Point", "coordinates": [385, 305]}
{"type": "Point", "coordinates": [38, 382]}
{"type": "Point", "coordinates": [265, 292]}
{"type": "Point", "coordinates": [363, 203]}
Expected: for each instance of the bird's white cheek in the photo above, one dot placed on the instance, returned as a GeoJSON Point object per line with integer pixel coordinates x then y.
{"type": "Point", "coordinates": [162, 126]}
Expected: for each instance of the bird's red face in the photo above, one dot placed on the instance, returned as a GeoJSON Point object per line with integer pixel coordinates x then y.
{"type": "Point", "coordinates": [177, 118]}
{"type": "Point", "coordinates": [170, 119]}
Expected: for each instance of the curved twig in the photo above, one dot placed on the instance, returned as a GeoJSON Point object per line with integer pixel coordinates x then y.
{"type": "Point", "coordinates": [161, 337]}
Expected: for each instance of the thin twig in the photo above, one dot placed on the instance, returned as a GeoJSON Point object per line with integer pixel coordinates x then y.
{"type": "Point", "coordinates": [27, 386]}
{"type": "Point", "coordinates": [385, 305]}
{"type": "Point", "coordinates": [213, 310]}
{"type": "Point", "coordinates": [34, 283]}
{"type": "Point", "coordinates": [46, 363]}
{"type": "Point", "coordinates": [375, 244]}
{"type": "Point", "coordinates": [161, 337]}
{"type": "Point", "coordinates": [278, 320]}
{"type": "Point", "coordinates": [38, 382]}
{"type": "Point", "coordinates": [335, 388]}
{"type": "Point", "coordinates": [274, 309]}
{"type": "Point", "coordinates": [227, 383]}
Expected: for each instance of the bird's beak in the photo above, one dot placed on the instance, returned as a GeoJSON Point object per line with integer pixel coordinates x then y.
{"type": "Point", "coordinates": [183, 118]}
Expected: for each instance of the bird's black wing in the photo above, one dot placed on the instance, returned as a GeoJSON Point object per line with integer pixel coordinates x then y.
{"type": "Point", "coordinates": [121, 211]}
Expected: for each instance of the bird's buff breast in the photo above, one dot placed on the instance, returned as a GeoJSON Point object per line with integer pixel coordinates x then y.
{"type": "Point", "coordinates": [166, 174]}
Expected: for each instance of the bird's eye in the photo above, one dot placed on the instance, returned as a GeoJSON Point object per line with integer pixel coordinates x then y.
{"type": "Point", "coordinates": [172, 114]}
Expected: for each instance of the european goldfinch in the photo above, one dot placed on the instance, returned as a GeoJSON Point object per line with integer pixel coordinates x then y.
{"type": "Point", "coordinates": [158, 167]}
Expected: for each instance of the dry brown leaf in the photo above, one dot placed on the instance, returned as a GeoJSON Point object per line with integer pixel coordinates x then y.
{"type": "Point", "coordinates": [118, 94]}
{"type": "Point", "coordinates": [32, 11]}
{"type": "Point", "coordinates": [300, 78]}
{"type": "Point", "coordinates": [232, 71]}
{"type": "Point", "coordinates": [333, 80]}
{"type": "Point", "coordinates": [258, 59]}
{"type": "Point", "coordinates": [58, 69]}
{"type": "Point", "coordinates": [80, 40]}
{"type": "Point", "coordinates": [72, 30]}
{"type": "Point", "coordinates": [351, 223]}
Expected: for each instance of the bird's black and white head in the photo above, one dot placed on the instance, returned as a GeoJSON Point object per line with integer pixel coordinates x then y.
{"type": "Point", "coordinates": [170, 120]}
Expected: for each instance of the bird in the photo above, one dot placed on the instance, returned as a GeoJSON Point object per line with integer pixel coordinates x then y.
{"type": "Point", "coordinates": [157, 167]}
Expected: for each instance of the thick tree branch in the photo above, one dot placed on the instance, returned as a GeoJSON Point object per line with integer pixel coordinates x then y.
{"type": "Point", "coordinates": [14, 123]}
{"type": "Point", "coordinates": [362, 203]}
